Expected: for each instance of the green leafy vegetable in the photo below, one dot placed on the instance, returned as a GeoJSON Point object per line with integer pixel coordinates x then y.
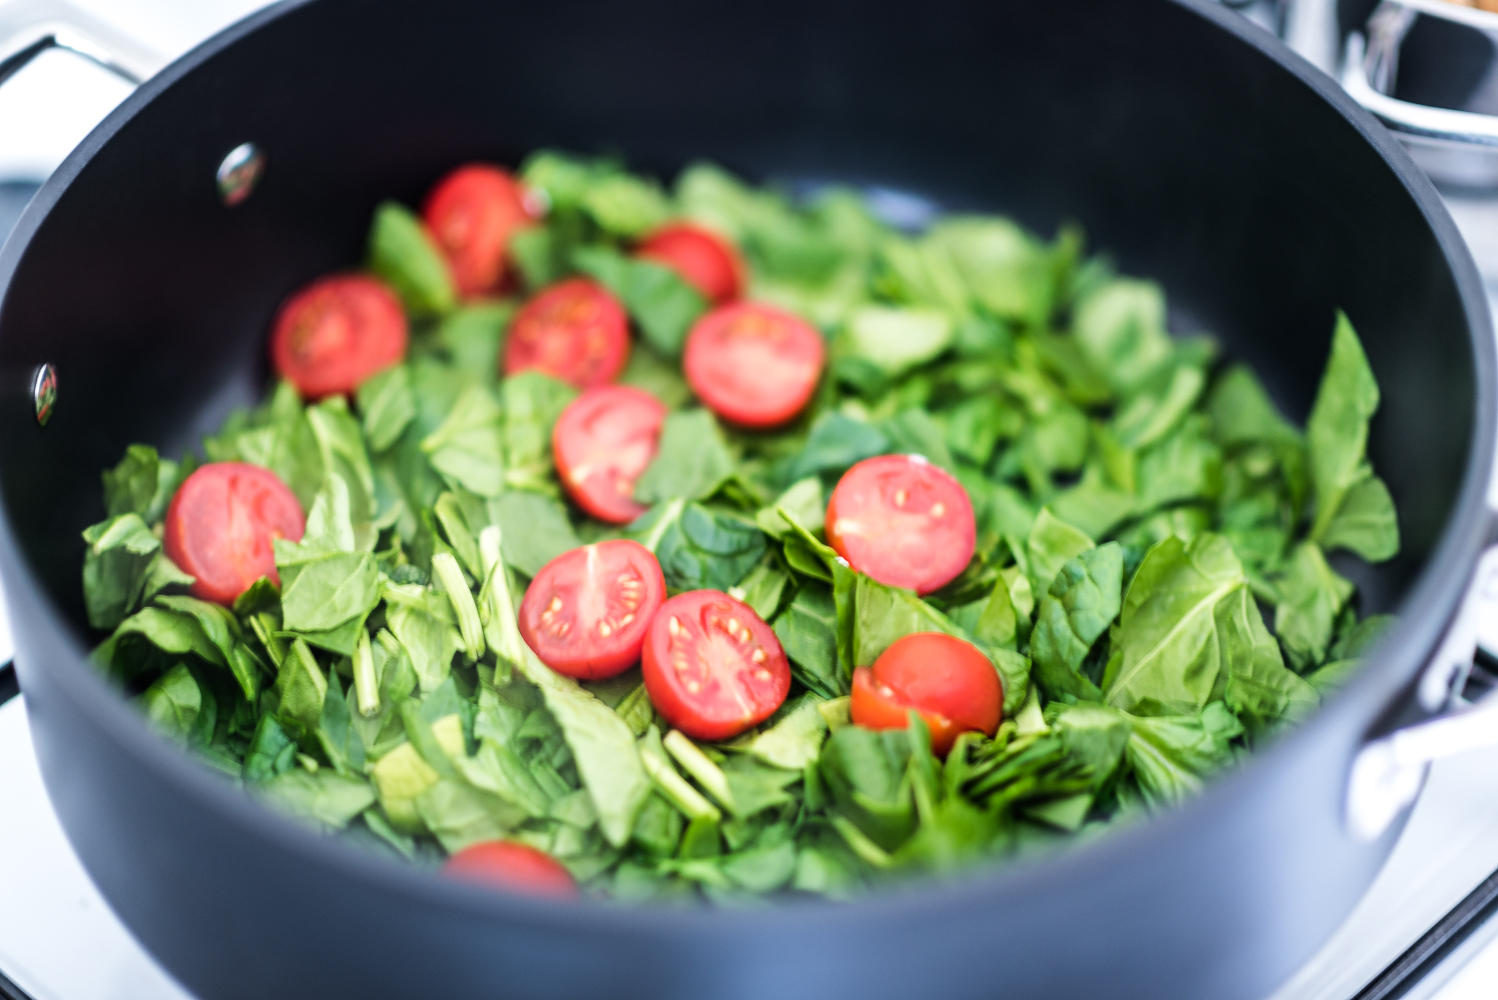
{"type": "Point", "coordinates": [401, 252]}
{"type": "Point", "coordinates": [532, 404]}
{"type": "Point", "coordinates": [836, 442]}
{"type": "Point", "coordinates": [1312, 594]}
{"type": "Point", "coordinates": [1052, 543]}
{"type": "Point", "coordinates": [895, 340]}
{"type": "Point", "coordinates": [692, 461]}
{"type": "Point", "coordinates": [807, 630]}
{"type": "Point", "coordinates": [387, 405]}
{"type": "Point", "coordinates": [1136, 508]}
{"type": "Point", "coordinates": [173, 702]}
{"type": "Point", "coordinates": [536, 530]}
{"type": "Point", "coordinates": [703, 549]}
{"type": "Point", "coordinates": [657, 298]}
{"type": "Point", "coordinates": [1353, 507]}
{"type": "Point", "coordinates": [1171, 657]}
{"type": "Point", "coordinates": [469, 446]}
{"type": "Point", "coordinates": [1084, 599]}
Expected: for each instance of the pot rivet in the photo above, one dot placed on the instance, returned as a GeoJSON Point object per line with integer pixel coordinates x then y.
{"type": "Point", "coordinates": [44, 392]}
{"type": "Point", "coordinates": [240, 172]}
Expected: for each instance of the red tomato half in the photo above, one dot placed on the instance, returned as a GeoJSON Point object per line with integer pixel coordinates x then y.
{"type": "Point", "coordinates": [712, 666]}
{"type": "Point", "coordinates": [903, 521]}
{"type": "Point", "coordinates": [220, 525]}
{"type": "Point", "coordinates": [575, 331]}
{"type": "Point", "coordinates": [949, 683]}
{"type": "Point", "coordinates": [505, 864]}
{"type": "Point", "coordinates": [471, 214]}
{"type": "Point", "coordinates": [602, 442]}
{"type": "Point", "coordinates": [336, 332]}
{"type": "Point", "coordinates": [588, 610]}
{"type": "Point", "coordinates": [707, 261]}
{"type": "Point", "coordinates": [753, 364]}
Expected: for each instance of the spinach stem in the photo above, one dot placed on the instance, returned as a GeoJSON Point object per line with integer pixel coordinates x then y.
{"type": "Point", "coordinates": [675, 787]}
{"type": "Point", "coordinates": [668, 517]}
{"type": "Point", "coordinates": [450, 574]}
{"type": "Point", "coordinates": [699, 766]}
{"type": "Point", "coordinates": [366, 687]}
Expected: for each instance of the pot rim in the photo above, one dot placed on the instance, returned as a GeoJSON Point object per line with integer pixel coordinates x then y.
{"type": "Point", "coordinates": [1424, 611]}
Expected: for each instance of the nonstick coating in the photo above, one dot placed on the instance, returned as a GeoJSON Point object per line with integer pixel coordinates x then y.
{"type": "Point", "coordinates": [1190, 146]}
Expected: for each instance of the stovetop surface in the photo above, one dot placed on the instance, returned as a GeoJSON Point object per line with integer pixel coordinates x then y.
{"type": "Point", "coordinates": [1420, 933]}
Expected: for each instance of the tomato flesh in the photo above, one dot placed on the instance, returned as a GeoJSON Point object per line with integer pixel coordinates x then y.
{"type": "Point", "coordinates": [471, 215]}
{"type": "Point", "coordinates": [336, 332]}
{"type": "Point", "coordinates": [505, 864]}
{"type": "Point", "coordinates": [753, 364]}
{"type": "Point", "coordinates": [902, 521]}
{"type": "Point", "coordinates": [587, 612]}
{"type": "Point", "coordinates": [220, 525]}
{"type": "Point", "coordinates": [575, 331]}
{"type": "Point", "coordinates": [712, 666]}
{"type": "Point", "coordinates": [949, 683]}
{"type": "Point", "coordinates": [602, 442]}
{"type": "Point", "coordinates": [704, 259]}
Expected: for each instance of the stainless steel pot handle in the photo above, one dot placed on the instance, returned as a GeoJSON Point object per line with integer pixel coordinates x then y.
{"type": "Point", "coordinates": [30, 27]}
{"type": "Point", "coordinates": [1388, 773]}
{"type": "Point", "coordinates": [1371, 64]}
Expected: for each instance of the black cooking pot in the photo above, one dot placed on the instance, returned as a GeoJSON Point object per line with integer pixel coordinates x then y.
{"type": "Point", "coordinates": [1192, 146]}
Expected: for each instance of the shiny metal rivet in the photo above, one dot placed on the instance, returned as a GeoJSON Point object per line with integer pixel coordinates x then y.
{"type": "Point", "coordinates": [240, 172]}
{"type": "Point", "coordinates": [44, 392]}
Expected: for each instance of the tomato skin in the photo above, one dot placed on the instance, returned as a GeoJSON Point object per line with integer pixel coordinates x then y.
{"type": "Point", "coordinates": [708, 639]}
{"type": "Point", "coordinates": [336, 332]}
{"type": "Point", "coordinates": [903, 521]}
{"type": "Point", "coordinates": [602, 442]}
{"type": "Point", "coordinates": [220, 524]}
{"type": "Point", "coordinates": [575, 331]}
{"type": "Point", "coordinates": [504, 864]}
{"type": "Point", "coordinates": [949, 683]}
{"type": "Point", "coordinates": [753, 364]}
{"type": "Point", "coordinates": [471, 214]}
{"type": "Point", "coordinates": [705, 260]}
{"type": "Point", "coordinates": [876, 707]}
{"type": "Point", "coordinates": [586, 614]}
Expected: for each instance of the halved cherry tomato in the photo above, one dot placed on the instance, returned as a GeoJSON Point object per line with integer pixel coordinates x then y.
{"type": "Point", "coordinates": [587, 612]}
{"type": "Point", "coordinates": [575, 331]}
{"type": "Point", "coordinates": [707, 261]}
{"type": "Point", "coordinates": [602, 442]}
{"type": "Point", "coordinates": [949, 683]}
{"type": "Point", "coordinates": [471, 214]}
{"type": "Point", "coordinates": [903, 521]}
{"type": "Point", "coordinates": [753, 364]}
{"type": "Point", "coordinates": [336, 332]}
{"type": "Point", "coordinates": [505, 864]}
{"type": "Point", "coordinates": [220, 525]}
{"type": "Point", "coordinates": [712, 666]}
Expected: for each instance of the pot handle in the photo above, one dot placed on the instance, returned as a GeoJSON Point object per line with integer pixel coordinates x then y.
{"type": "Point", "coordinates": [1388, 773]}
{"type": "Point", "coordinates": [1371, 65]}
{"type": "Point", "coordinates": [31, 27]}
